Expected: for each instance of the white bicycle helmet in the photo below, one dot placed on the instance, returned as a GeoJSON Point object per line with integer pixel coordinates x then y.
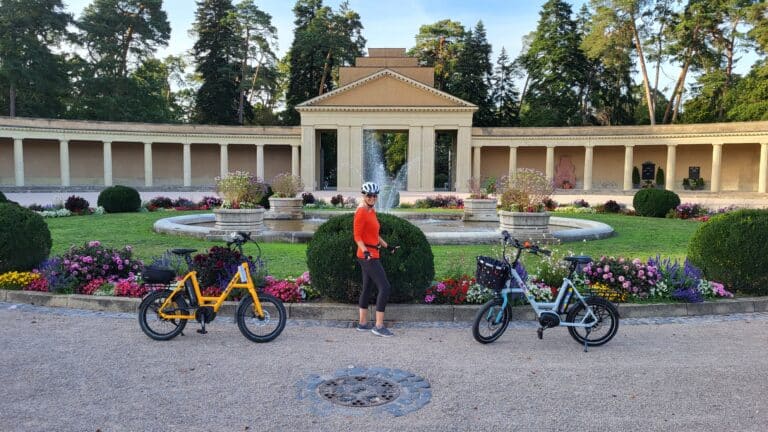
{"type": "Point", "coordinates": [370, 188]}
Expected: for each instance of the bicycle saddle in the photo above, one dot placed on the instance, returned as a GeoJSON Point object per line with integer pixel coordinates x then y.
{"type": "Point", "coordinates": [579, 259]}
{"type": "Point", "coordinates": [183, 251]}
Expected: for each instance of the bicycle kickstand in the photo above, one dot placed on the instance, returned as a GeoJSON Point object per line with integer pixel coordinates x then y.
{"type": "Point", "coordinates": [202, 330]}
{"type": "Point", "coordinates": [585, 341]}
{"type": "Point", "coordinates": [540, 332]}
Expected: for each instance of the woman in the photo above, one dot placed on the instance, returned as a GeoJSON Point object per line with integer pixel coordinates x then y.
{"type": "Point", "coordinates": [369, 242]}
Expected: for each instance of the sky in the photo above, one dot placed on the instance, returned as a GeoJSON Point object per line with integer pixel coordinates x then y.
{"type": "Point", "coordinates": [395, 23]}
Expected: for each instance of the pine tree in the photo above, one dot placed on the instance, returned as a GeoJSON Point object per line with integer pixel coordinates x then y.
{"type": "Point", "coordinates": [555, 64]}
{"type": "Point", "coordinates": [33, 80]}
{"type": "Point", "coordinates": [504, 93]}
{"type": "Point", "coordinates": [218, 54]}
{"type": "Point", "coordinates": [438, 45]}
{"type": "Point", "coordinates": [473, 75]}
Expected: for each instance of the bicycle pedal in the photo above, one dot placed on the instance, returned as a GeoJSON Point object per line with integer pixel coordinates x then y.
{"type": "Point", "coordinates": [540, 332]}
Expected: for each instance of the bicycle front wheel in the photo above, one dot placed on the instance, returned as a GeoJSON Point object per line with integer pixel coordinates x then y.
{"type": "Point", "coordinates": [261, 328]}
{"type": "Point", "coordinates": [488, 326]}
{"type": "Point", "coordinates": [603, 327]}
{"type": "Point", "coordinates": [159, 328]}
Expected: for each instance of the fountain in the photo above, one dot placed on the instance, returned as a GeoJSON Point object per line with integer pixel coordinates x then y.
{"type": "Point", "coordinates": [438, 228]}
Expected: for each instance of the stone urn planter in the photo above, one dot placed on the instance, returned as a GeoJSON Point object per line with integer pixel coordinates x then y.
{"type": "Point", "coordinates": [526, 225]}
{"type": "Point", "coordinates": [248, 220]}
{"type": "Point", "coordinates": [285, 208]}
{"type": "Point", "coordinates": [480, 210]}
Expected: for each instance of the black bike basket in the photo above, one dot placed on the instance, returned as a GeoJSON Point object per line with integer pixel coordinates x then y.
{"type": "Point", "coordinates": [491, 273]}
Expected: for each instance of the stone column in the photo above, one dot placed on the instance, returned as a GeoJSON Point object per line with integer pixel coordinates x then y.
{"type": "Point", "coordinates": [18, 161]}
{"type": "Point", "coordinates": [463, 158]}
{"type": "Point", "coordinates": [717, 160]}
{"type": "Point", "coordinates": [550, 163]}
{"type": "Point", "coordinates": [512, 161]}
{"type": "Point", "coordinates": [308, 157]}
{"type": "Point", "coordinates": [355, 158]}
{"type": "Point", "coordinates": [427, 163]}
{"type": "Point", "coordinates": [628, 154]}
{"type": "Point", "coordinates": [64, 162]}
{"type": "Point", "coordinates": [476, 162]}
{"type": "Point", "coordinates": [107, 163]}
{"type": "Point", "coordinates": [148, 176]}
{"type": "Point", "coordinates": [669, 180]}
{"type": "Point", "coordinates": [414, 158]}
{"type": "Point", "coordinates": [343, 149]}
{"type": "Point", "coordinates": [223, 160]}
{"type": "Point", "coordinates": [295, 160]}
{"type": "Point", "coordinates": [763, 170]}
{"type": "Point", "coordinates": [589, 152]}
{"type": "Point", "coordinates": [187, 157]}
{"type": "Point", "coordinates": [260, 161]}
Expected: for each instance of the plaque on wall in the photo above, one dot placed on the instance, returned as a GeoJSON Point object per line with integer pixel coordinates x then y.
{"type": "Point", "coordinates": [693, 172]}
{"type": "Point", "coordinates": [649, 171]}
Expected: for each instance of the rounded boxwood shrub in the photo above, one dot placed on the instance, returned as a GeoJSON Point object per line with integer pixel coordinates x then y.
{"type": "Point", "coordinates": [336, 274]}
{"type": "Point", "coordinates": [655, 202]}
{"type": "Point", "coordinates": [76, 204]}
{"type": "Point", "coordinates": [25, 240]}
{"type": "Point", "coordinates": [732, 248]}
{"type": "Point", "coordinates": [119, 199]}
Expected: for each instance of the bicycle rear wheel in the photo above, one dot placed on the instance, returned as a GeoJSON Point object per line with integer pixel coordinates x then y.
{"type": "Point", "coordinates": [486, 327]}
{"type": "Point", "coordinates": [160, 328]}
{"type": "Point", "coordinates": [602, 330]}
{"type": "Point", "coordinates": [261, 328]}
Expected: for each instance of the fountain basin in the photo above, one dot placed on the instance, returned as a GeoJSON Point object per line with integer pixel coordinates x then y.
{"type": "Point", "coordinates": [440, 229]}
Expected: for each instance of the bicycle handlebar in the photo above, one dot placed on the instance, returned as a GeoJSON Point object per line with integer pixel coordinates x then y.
{"type": "Point", "coordinates": [239, 238]}
{"type": "Point", "coordinates": [530, 247]}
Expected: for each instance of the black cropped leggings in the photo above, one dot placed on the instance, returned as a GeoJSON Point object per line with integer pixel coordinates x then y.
{"type": "Point", "coordinates": [373, 274]}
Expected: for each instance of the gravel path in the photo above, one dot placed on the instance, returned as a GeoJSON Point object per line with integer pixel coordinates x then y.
{"type": "Point", "coordinates": [74, 370]}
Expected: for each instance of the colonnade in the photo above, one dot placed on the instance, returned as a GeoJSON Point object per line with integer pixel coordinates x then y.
{"type": "Point", "coordinates": [671, 161]}
{"type": "Point", "coordinates": [64, 161]}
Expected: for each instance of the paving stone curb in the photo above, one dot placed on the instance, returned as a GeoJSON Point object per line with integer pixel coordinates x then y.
{"type": "Point", "coordinates": [395, 312]}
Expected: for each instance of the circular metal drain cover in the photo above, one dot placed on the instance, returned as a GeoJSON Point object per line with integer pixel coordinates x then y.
{"type": "Point", "coordinates": [359, 391]}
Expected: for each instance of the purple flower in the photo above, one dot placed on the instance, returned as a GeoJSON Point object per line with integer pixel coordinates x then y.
{"type": "Point", "coordinates": [429, 298]}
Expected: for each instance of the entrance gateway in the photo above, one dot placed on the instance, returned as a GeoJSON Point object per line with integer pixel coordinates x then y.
{"type": "Point", "coordinates": [386, 116]}
{"type": "Point", "coordinates": [385, 104]}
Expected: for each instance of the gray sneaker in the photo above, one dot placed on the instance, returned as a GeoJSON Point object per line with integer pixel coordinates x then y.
{"type": "Point", "coordinates": [382, 331]}
{"type": "Point", "coordinates": [364, 327]}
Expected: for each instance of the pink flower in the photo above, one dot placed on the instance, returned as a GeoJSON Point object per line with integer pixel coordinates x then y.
{"type": "Point", "coordinates": [440, 287]}
{"type": "Point", "coordinates": [621, 279]}
{"type": "Point", "coordinates": [94, 243]}
{"type": "Point", "coordinates": [429, 298]}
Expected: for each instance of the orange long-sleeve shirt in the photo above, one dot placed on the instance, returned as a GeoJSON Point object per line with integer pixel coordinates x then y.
{"type": "Point", "coordinates": [366, 228]}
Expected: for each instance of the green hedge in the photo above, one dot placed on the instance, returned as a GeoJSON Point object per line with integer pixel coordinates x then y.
{"type": "Point", "coordinates": [119, 199]}
{"type": "Point", "coordinates": [655, 202]}
{"type": "Point", "coordinates": [732, 248]}
{"type": "Point", "coordinates": [25, 240]}
{"type": "Point", "coordinates": [335, 271]}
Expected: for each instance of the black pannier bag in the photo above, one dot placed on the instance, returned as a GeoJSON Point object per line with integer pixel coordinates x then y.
{"type": "Point", "coordinates": [491, 273]}
{"type": "Point", "coordinates": [156, 275]}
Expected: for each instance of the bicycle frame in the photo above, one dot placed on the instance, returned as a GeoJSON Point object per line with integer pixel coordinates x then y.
{"type": "Point", "coordinates": [539, 307]}
{"type": "Point", "coordinates": [241, 279]}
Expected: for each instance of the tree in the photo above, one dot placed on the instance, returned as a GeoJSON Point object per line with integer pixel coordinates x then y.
{"type": "Point", "coordinates": [554, 63]}
{"type": "Point", "coordinates": [323, 41]}
{"type": "Point", "coordinates": [120, 37]}
{"type": "Point", "coordinates": [749, 99]}
{"type": "Point", "coordinates": [259, 62]}
{"type": "Point", "coordinates": [504, 94]}
{"type": "Point", "coordinates": [33, 79]}
{"type": "Point", "coordinates": [218, 54]}
{"type": "Point", "coordinates": [438, 45]}
{"type": "Point", "coordinates": [472, 76]}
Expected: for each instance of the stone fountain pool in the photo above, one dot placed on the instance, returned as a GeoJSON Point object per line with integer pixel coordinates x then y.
{"type": "Point", "coordinates": [438, 228]}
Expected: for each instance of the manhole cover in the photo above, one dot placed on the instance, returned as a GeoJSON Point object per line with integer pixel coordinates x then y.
{"type": "Point", "coordinates": [359, 391]}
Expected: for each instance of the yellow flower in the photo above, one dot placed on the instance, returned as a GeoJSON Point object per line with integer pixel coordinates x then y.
{"type": "Point", "coordinates": [17, 280]}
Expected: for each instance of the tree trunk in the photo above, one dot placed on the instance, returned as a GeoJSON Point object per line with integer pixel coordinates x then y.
{"type": "Point", "coordinates": [326, 67]}
{"type": "Point", "coordinates": [254, 78]}
{"type": "Point", "coordinates": [126, 46]}
{"type": "Point", "coordinates": [643, 70]}
{"type": "Point", "coordinates": [522, 96]}
{"type": "Point", "coordinates": [12, 101]}
{"type": "Point", "coordinates": [243, 65]}
{"type": "Point", "coordinates": [675, 90]}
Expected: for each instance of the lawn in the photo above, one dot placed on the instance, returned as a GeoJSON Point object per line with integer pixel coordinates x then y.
{"type": "Point", "coordinates": [637, 237]}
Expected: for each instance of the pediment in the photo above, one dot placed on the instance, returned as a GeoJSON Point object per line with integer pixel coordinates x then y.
{"type": "Point", "coordinates": [386, 88]}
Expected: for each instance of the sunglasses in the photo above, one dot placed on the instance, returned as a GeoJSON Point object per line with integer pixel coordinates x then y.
{"type": "Point", "coordinates": [372, 195]}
